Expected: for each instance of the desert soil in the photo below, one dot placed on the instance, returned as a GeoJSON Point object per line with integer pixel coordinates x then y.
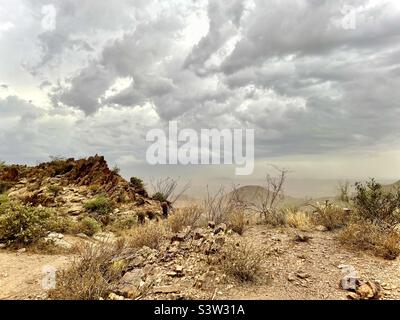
{"type": "Point", "coordinates": [297, 270]}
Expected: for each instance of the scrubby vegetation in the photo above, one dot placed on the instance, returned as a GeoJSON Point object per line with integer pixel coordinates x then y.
{"type": "Point", "coordinates": [101, 205]}
{"type": "Point", "coordinates": [330, 216]}
{"type": "Point", "coordinates": [20, 224]}
{"type": "Point", "coordinates": [241, 261]}
{"type": "Point", "coordinates": [137, 182]}
{"type": "Point", "coordinates": [91, 276]}
{"type": "Point", "coordinates": [88, 226]}
{"type": "Point", "coordinates": [183, 217]}
{"type": "Point", "coordinates": [150, 234]}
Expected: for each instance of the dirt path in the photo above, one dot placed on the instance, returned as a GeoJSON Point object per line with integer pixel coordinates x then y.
{"type": "Point", "coordinates": [21, 274]}
{"type": "Point", "coordinates": [309, 270]}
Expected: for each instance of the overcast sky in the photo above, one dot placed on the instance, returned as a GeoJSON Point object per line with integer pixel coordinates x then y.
{"type": "Point", "coordinates": [321, 90]}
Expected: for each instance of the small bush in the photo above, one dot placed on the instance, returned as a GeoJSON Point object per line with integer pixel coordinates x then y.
{"type": "Point", "coordinates": [88, 226]}
{"type": "Point", "coordinates": [91, 276]}
{"type": "Point", "coordinates": [298, 219]}
{"type": "Point", "coordinates": [183, 217]}
{"type": "Point", "coordinates": [159, 197]}
{"type": "Point", "coordinates": [101, 205]}
{"type": "Point", "coordinates": [60, 165]}
{"type": "Point", "coordinates": [137, 183]}
{"type": "Point", "coordinates": [123, 223]}
{"type": "Point", "coordinates": [331, 216]}
{"type": "Point", "coordinates": [275, 218]}
{"type": "Point", "coordinates": [5, 186]}
{"type": "Point", "coordinates": [241, 261]}
{"type": "Point", "coordinates": [3, 198]}
{"type": "Point", "coordinates": [54, 190]}
{"type": "Point", "coordinates": [24, 224]}
{"type": "Point", "coordinates": [236, 220]}
{"type": "Point", "coordinates": [372, 202]}
{"type": "Point", "coordinates": [116, 169]}
{"type": "Point", "coordinates": [150, 235]}
{"type": "Point", "coordinates": [365, 235]}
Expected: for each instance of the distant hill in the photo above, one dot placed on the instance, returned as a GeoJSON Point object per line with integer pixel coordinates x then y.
{"type": "Point", "coordinates": [392, 186]}
{"type": "Point", "coordinates": [255, 194]}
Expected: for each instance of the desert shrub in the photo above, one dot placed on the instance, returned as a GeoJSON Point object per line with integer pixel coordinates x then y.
{"type": "Point", "coordinates": [54, 190]}
{"type": "Point", "coordinates": [240, 260]}
{"type": "Point", "coordinates": [374, 203]}
{"type": "Point", "coordinates": [150, 234]}
{"type": "Point", "coordinates": [344, 191]}
{"type": "Point", "coordinates": [116, 169]}
{"type": "Point", "coordinates": [5, 186]}
{"type": "Point", "coordinates": [183, 217]}
{"type": "Point", "coordinates": [298, 219]}
{"type": "Point", "coordinates": [330, 216]}
{"type": "Point", "coordinates": [3, 198]}
{"type": "Point", "coordinates": [91, 276]}
{"type": "Point", "coordinates": [60, 165]}
{"type": "Point", "coordinates": [159, 197]}
{"type": "Point", "coordinates": [237, 221]}
{"type": "Point", "coordinates": [24, 224]}
{"type": "Point", "coordinates": [61, 224]}
{"type": "Point", "coordinates": [94, 188]}
{"type": "Point", "coordinates": [362, 234]}
{"type": "Point", "coordinates": [123, 223]}
{"type": "Point", "coordinates": [137, 183]}
{"type": "Point", "coordinates": [166, 189]}
{"type": "Point", "coordinates": [88, 226]}
{"type": "Point", "coordinates": [101, 205]}
{"type": "Point", "coordinates": [275, 218]}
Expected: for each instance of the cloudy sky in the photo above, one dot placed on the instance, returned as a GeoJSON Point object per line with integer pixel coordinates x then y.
{"type": "Point", "coordinates": [318, 80]}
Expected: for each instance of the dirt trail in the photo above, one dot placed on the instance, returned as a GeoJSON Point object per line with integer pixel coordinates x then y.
{"type": "Point", "coordinates": [21, 274]}
{"type": "Point", "coordinates": [309, 270]}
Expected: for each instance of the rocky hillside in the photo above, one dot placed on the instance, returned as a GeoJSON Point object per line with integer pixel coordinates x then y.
{"type": "Point", "coordinates": [67, 184]}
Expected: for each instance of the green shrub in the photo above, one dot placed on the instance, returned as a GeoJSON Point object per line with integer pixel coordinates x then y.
{"type": "Point", "coordinates": [24, 224]}
{"type": "Point", "coordinates": [137, 183]}
{"type": "Point", "coordinates": [5, 186]}
{"type": "Point", "coordinates": [3, 198]}
{"type": "Point", "coordinates": [375, 204]}
{"type": "Point", "coordinates": [159, 197]}
{"type": "Point", "coordinates": [54, 190]}
{"type": "Point", "coordinates": [88, 226]}
{"type": "Point", "coordinates": [330, 216]}
{"type": "Point", "coordinates": [100, 204]}
{"type": "Point", "coordinates": [116, 169]}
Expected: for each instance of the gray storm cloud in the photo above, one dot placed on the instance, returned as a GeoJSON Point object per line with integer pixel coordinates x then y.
{"type": "Point", "coordinates": [288, 69]}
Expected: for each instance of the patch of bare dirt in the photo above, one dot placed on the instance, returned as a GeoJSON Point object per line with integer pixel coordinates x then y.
{"type": "Point", "coordinates": [310, 269]}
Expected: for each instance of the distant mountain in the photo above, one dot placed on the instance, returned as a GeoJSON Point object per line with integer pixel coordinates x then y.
{"type": "Point", "coordinates": [255, 194]}
{"type": "Point", "coordinates": [392, 186]}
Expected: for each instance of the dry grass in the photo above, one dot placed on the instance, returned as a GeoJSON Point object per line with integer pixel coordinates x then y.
{"type": "Point", "coordinates": [241, 261]}
{"type": "Point", "coordinates": [91, 276]}
{"type": "Point", "coordinates": [298, 219]}
{"type": "Point", "coordinates": [365, 235]}
{"type": "Point", "coordinates": [331, 216]}
{"type": "Point", "coordinates": [183, 217]}
{"type": "Point", "coordinates": [150, 234]}
{"type": "Point", "coordinates": [237, 220]}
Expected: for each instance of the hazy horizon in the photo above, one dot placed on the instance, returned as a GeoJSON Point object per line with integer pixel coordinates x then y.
{"type": "Point", "coordinates": [317, 81]}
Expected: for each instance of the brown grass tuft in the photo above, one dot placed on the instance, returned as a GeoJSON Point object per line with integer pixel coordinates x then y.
{"type": "Point", "coordinates": [365, 235]}
{"type": "Point", "coordinates": [183, 217]}
{"type": "Point", "coordinates": [150, 234]}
